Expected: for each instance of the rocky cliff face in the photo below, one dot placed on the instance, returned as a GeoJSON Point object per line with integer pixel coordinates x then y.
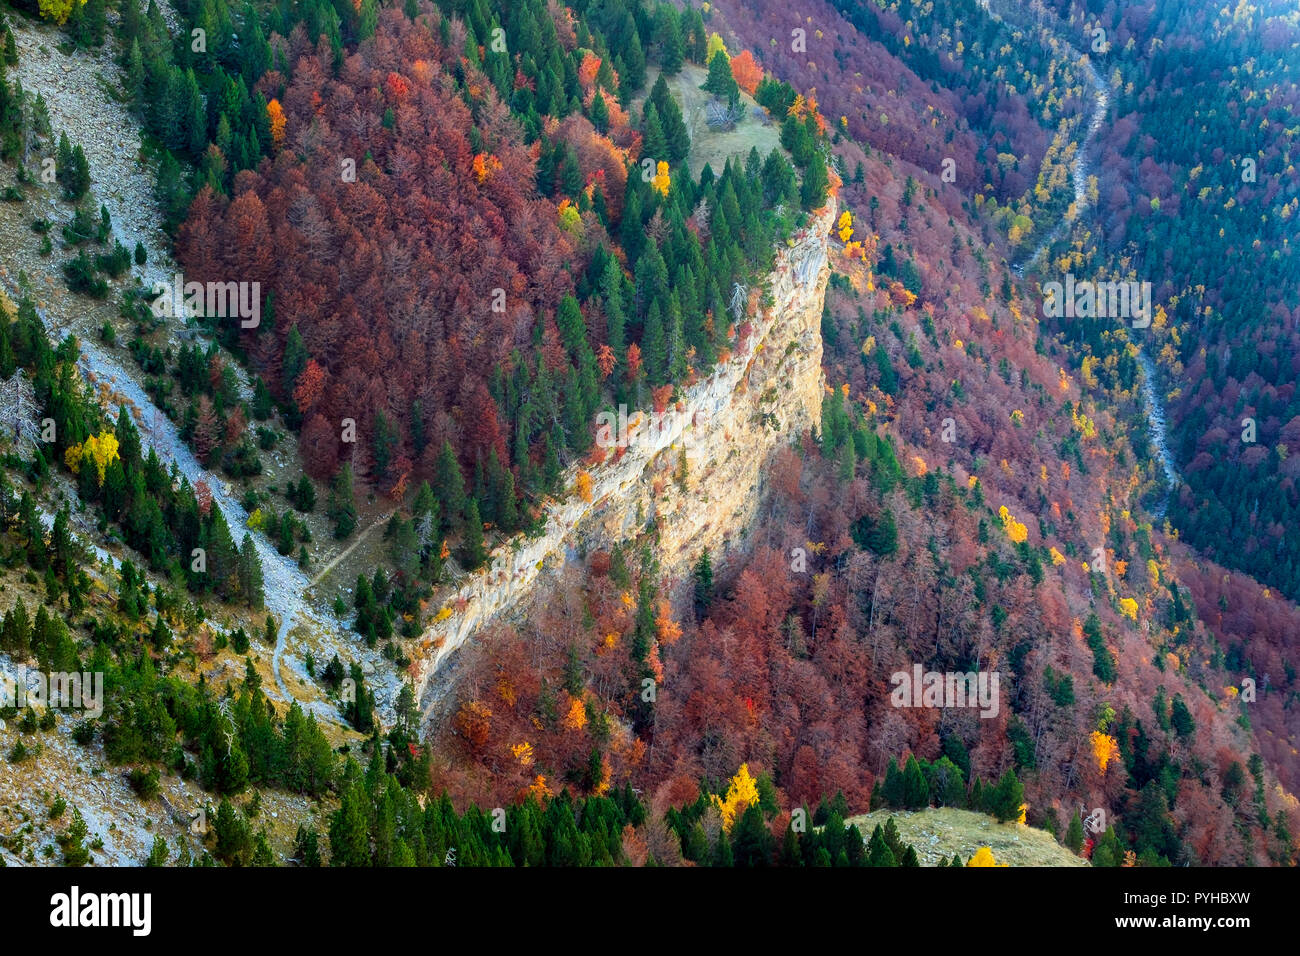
{"type": "Point", "coordinates": [725, 427]}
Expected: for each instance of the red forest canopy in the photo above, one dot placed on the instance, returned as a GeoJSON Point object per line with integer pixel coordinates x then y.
{"type": "Point", "coordinates": [391, 280]}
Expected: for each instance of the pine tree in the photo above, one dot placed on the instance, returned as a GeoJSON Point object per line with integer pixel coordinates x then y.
{"type": "Point", "coordinates": [892, 791]}
{"type": "Point", "coordinates": [1181, 717]}
{"type": "Point", "coordinates": [611, 289]}
{"type": "Point", "coordinates": [703, 575]}
{"type": "Point", "coordinates": [816, 183]}
{"type": "Point", "coordinates": [1074, 834]}
{"type": "Point", "coordinates": [892, 839]}
{"type": "Point", "coordinates": [451, 488]}
{"type": "Point", "coordinates": [1007, 798]}
{"type": "Point", "coordinates": [157, 853]}
{"type": "Point", "coordinates": [8, 361]}
{"type": "Point", "coordinates": [599, 113]}
{"type": "Point", "coordinates": [655, 142]}
{"type": "Point", "coordinates": [750, 840]}
{"type": "Point", "coordinates": [222, 556]}
{"type": "Point", "coordinates": [668, 35]}
{"type": "Point", "coordinates": [677, 364]}
{"type": "Point", "coordinates": [916, 793]}
{"type": "Point", "coordinates": [73, 841]}
{"type": "Point", "coordinates": [341, 508]}
{"type": "Point", "coordinates": [262, 406]}
{"type": "Point", "coordinates": [654, 346]}
{"type": "Point", "coordinates": [878, 852]}
{"type": "Point", "coordinates": [676, 136]}
{"type": "Point", "coordinates": [473, 547]}
{"type": "Point", "coordinates": [304, 498]}
{"type": "Point", "coordinates": [508, 505]}
{"type": "Point", "coordinates": [262, 855]}
{"type": "Point", "coordinates": [721, 83]}
{"type": "Point", "coordinates": [293, 362]}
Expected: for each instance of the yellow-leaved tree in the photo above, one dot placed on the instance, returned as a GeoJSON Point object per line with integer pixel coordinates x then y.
{"type": "Point", "coordinates": [57, 10]}
{"type": "Point", "coordinates": [741, 792]}
{"type": "Point", "coordinates": [100, 450]}
{"type": "Point", "coordinates": [984, 857]}
{"type": "Point", "coordinates": [661, 180]}
{"type": "Point", "coordinates": [715, 44]}
{"type": "Point", "coordinates": [1104, 748]}
{"type": "Point", "coordinates": [576, 718]}
{"type": "Point", "coordinates": [845, 227]}
{"type": "Point", "coordinates": [1016, 531]}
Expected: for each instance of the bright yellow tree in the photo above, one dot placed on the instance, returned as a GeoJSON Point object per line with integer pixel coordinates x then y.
{"type": "Point", "coordinates": [576, 718]}
{"type": "Point", "coordinates": [57, 10]}
{"type": "Point", "coordinates": [1016, 531]}
{"type": "Point", "coordinates": [661, 180]}
{"type": "Point", "coordinates": [845, 227]}
{"type": "Point", "coordinates": [100, 450]}
{"type": "Point", "coordinates": [741, 792]}
{"type": "Point", "coordinates": [984, 857]}
{"type": "Point", "coordinates": [1104, 748]}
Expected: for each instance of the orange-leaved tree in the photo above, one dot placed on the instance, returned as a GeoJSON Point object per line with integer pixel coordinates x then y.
{"type": "Point", "coordinates": [276, 115]}
{"type": "Point", "coordinates": [747, 72]}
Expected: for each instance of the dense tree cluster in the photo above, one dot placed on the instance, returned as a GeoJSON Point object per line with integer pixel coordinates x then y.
{"type": "Point", "coordinates": [158, 511]}
{"type": "Point", "coordinates": [1199, 198]}
{"type": "Point", "coordinates": [432, 301]}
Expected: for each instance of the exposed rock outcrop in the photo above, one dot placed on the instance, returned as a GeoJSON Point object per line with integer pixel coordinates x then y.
{"type": "Point", "coordinates": [727, 426]}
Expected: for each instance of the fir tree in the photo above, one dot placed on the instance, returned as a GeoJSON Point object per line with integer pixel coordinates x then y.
{"type": "Point", "coordinates": [473, 548]}
{"type": "Point", "coordinates": [721, 83]}
{"type": "Point", "coordinates": [703, 576]}
{"type": "Point", "coordinates": [1074, 834]}
{"type": "Point", "coordinates": [451, 488]}
{"type": "Point", "coordinates": [250, 573]}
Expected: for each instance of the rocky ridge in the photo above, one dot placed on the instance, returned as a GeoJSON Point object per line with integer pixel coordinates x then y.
{"type": "Point", "coordinates": [728, 426]}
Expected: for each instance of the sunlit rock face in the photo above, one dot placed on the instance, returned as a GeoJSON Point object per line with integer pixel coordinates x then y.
{"type": "Point", "coordinates": [727, 426]}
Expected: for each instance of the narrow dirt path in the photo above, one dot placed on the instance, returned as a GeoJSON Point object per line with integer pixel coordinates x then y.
{"type": "Point", "coordinates": [379, 522]}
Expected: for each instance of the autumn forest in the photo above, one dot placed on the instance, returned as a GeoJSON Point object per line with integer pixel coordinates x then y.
{"type": "Point", "coordinates": [885, 562]}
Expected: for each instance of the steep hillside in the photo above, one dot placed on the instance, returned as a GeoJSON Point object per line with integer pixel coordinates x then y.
{"type": "Point", "coordinates": [590, 413]}
{"type": "Point", "coordinates": [692, 477]}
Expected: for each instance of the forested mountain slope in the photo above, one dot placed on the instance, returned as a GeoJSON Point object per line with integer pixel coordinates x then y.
{"type": "Point", "coordinates": [477, 232]}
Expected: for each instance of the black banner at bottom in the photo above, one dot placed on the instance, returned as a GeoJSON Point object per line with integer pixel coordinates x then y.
{"type": "Point", "coordinates": [144, 907]}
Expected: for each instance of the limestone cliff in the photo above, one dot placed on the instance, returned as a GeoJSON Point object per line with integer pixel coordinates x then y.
{"type": "Point", "coordinates": [727, 425]}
